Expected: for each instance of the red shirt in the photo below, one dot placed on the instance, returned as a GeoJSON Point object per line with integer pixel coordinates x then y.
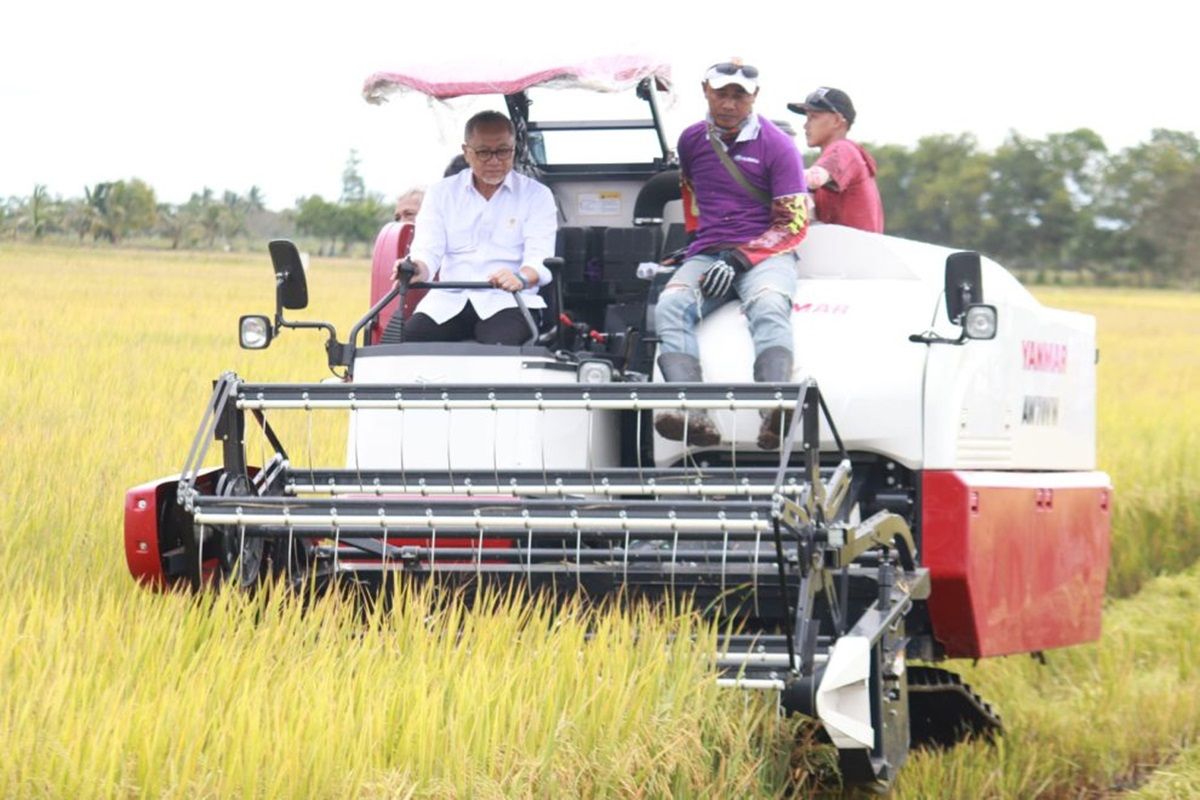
{"type": "Point", "coordinates": [850, 197]}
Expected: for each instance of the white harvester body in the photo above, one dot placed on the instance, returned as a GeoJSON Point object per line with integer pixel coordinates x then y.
{"type": "Point", "coordinates": [483, 439]}
{"type": "Point", "coordinates": [1021, 401]}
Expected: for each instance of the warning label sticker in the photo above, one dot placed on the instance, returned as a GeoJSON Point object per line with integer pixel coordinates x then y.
{"type": "Point", "coordinates": [600, 204]}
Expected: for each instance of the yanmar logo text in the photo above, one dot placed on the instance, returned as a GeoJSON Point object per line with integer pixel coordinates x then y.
{"type": "Point", "coordinates": [819, 308]}
{"type": "Point", "coordinates": [1044, 356]}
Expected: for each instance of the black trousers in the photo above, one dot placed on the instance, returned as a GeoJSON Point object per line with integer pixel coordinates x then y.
{"type": "Point", "coordinates": [506, 326]}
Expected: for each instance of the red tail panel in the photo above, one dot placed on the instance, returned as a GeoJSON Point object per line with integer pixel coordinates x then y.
{"type": "Point", "coordinates": [1018, 560]}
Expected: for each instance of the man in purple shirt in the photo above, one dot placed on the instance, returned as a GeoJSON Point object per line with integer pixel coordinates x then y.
{"type": "Point", "coordinates": [744, 208]}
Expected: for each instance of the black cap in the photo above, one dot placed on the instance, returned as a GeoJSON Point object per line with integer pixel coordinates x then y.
{"type": "Point", "coordinates": [826, 99]}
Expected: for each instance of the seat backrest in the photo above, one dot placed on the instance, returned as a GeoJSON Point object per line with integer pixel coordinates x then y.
{"type": "Point", "coordinates": [391, 245]}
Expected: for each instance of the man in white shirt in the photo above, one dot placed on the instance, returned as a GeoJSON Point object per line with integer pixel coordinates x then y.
{"type": "Point", "coordinates": [489, 224]}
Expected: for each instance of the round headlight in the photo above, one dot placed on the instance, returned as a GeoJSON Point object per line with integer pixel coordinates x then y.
{"type": "Point", "coordinates": [980, 322]}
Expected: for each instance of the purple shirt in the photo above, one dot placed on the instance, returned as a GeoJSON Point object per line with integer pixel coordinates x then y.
{"type": "Point", "coordinates": [728, 214]}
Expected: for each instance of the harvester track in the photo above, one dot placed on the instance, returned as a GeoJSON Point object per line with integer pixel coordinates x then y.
{"type": "Point", "coordinates": [943, 710]}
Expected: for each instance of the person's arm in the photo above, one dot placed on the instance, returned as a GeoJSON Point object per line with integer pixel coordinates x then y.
{"type": "Point", "coordinates": [788, 213]}
{"type": "Point", "coordinates": [789, 224]}
{"type": "Point", "coordinates": [687, 192]}
{"type": "Point", "coordinates": [429, 237]}
{"type": "Point", "coordinates": [540, 228]}
{"type": "Point", "coordinates": [691, 209]}
{"type": "Point", "coordinates": [817, 176]}
{"type": "Point", "coordinates": [838, 167]}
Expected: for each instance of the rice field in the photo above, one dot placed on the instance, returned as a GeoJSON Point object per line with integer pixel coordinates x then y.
{"type": "Point", "coordinates": [107, 690]}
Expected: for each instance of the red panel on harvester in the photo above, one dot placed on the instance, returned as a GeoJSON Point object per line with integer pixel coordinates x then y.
{"type": "Point", "coordinates": [1018, 560]}
{"type": "Point", "coordinates": [390, 246]}
{"type": "Point", "coordinates": [141, 533]}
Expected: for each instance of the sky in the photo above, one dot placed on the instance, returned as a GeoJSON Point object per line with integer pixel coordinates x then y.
{"type": "Point", "coordinates": [232, 94]}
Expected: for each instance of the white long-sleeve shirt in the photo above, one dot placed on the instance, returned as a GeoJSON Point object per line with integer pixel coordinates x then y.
{"type": "Point", "coordinates": [468, 238]}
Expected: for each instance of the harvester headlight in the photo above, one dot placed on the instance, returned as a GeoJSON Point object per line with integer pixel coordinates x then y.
{"type": "Point", "coordinates": [254, 331]}
{"type": "Point", "coordinates": [980, 322]}
{"type": "Point", "coordinates": [595, 372]}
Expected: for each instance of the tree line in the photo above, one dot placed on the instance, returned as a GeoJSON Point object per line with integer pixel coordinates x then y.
{"type": "Point", "coordinates": [116, 211]}
{"type": "Point", "coordinates": [1061, 205]}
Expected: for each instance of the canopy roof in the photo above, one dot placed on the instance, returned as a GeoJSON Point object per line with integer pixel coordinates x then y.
{"type": "Point", "coordinates": [608, 74]}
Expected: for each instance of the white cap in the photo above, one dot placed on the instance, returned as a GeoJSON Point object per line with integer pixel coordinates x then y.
{"type": "Point", "coordinates": [732, 71]}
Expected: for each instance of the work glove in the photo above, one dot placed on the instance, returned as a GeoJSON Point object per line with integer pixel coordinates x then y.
{"type": "Point", "coordinates": [718, 278]}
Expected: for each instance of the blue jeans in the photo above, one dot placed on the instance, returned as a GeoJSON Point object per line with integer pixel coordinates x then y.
{"type": "Point", "coordinates": [765, 291]}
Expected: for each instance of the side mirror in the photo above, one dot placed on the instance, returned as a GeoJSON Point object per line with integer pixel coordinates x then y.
{"type": "Point", "coordinates": [964, 284]}
{"type": "Point", "coordinates": [291, 288]}
{"type": "Point", "coordinates": [964, 302]}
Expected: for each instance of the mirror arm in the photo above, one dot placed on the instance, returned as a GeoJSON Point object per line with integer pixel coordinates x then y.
{"type": "Point", "coordinates": [930, 337]}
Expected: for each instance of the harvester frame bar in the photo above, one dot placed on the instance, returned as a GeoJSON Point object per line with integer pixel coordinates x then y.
{"type": "Point", "coordinates": [612, 482]}
{"type": "Point", "coordinates": [504, 397]}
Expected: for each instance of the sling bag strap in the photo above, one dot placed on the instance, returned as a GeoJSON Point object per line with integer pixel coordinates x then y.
{"type": "Point", "coordinates": [736, 173]}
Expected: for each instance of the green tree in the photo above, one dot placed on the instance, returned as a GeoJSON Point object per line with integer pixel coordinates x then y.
{"type": "Point", "coordinates": [97, 214]}
{"type": "Point", "coordinates": [894, 178]}
{"type": "Point", "coordinates": [360, 221]}
{"type": "Point", "coordinates": [1041, 198]}
{"type": "Point", "coordinates": [936, 193]}
{"type": "Point", "coordinates": [232, 220]}
{"type": "Point", "coordinates": [354, 189]}
{"type": "Point", "coordinates": [177, 224]}
{"type": "Point", "coordinates": [38, 210]}
{"type": "Point", "coordinates": [255, 200]}
{"type": "Point", "coordinates": [318, 217]}
{"type": "Point", "coordinates": [1152, 206]}
{"type": "Point", "coordinates": [77, 217]}
{"type": "Point", "coordinates": [131, 208]}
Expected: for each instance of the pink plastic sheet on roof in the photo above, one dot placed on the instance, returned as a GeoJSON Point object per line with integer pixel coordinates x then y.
{"type": "Point", "coordinates": [609, 74]}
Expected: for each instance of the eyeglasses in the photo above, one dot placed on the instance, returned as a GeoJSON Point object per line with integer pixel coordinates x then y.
{"type": "Point", "coordinates": [484, 154]}
{"type": "Point", "coordinates": [730, 68]}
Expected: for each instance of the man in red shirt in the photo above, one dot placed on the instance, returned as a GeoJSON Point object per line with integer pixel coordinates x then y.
{"type": "Point", "coordinates": [843, 179]}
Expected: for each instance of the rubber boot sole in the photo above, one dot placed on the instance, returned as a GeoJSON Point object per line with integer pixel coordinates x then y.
{"type": "Point", "coordinates": [701, 430]}
{"type": "Point", "coordinates": [768, 434]}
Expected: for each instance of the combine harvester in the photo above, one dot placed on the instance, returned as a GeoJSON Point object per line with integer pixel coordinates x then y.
{"type": "Point", "coordinates": [936, 497]}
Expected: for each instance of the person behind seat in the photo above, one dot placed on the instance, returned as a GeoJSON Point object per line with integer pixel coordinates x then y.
{"type": "Point", "coordinates": [485, 224]}
{"type": "Point", "coordinates": [456, 165]}
{"type": "Point", "coordinates": [408, 204]}
{"type": "Point", "coordinates": [744, 203]}
{"type": "Point", "coordinates": [843, 179]}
